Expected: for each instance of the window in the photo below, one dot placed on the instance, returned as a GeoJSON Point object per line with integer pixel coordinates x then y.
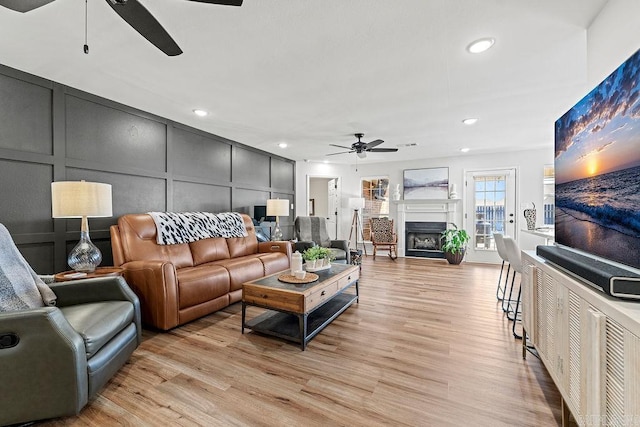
{"type": "Point", "coordinates": [490, 194]}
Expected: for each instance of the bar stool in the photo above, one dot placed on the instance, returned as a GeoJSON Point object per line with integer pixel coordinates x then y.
{"type": "Point", "coordinates": [515, 260]}
{"type": "Point", "coordinates": [502, 251]}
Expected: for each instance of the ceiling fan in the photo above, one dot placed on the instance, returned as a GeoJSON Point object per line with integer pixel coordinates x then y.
{"type": "Point", "coordinates": [362, 148]}
{"type": "Point", "coordinates": [134, 13]}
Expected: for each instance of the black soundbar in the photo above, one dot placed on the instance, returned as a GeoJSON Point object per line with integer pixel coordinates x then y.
{"type": "Point", "coordinates": [610, 279]}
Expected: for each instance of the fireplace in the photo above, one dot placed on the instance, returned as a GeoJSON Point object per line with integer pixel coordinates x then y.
{"type": "Point", "coordinates": [422, 239]}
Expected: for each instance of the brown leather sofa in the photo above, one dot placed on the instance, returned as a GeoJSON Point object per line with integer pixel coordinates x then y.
{"type": "Point", "coordinates": [179, 283]}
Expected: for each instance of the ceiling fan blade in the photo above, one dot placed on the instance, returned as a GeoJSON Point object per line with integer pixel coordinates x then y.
{"type": "Point", "coordinates": [23, 5]}
{"type": "Point", "coordinates": [342, 152]}
{"type": "Point", "coordinates": [144, 23]}
{"type": "Point", "coordinates": [222, 2]}
{"type": "Point", "coordinates": [374, 143]}
{"type": "Point", "coordinates": [341, 146]}
{"type": "Point", "coordinates": [383, 150]}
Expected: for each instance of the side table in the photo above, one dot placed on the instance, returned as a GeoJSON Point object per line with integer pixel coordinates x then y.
{"type": "Point", "coordinates": [356, 257]}
{"type": "Point", "coordinates": [99, 272]}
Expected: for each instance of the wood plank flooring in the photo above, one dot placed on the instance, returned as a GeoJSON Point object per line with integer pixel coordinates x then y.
{"type": "Point", "coordinates": [427, 345]}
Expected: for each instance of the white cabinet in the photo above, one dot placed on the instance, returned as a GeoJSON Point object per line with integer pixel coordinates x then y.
{"type": "Point", "coordinates": [588, 342]}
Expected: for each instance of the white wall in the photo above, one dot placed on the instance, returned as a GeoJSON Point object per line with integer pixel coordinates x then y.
{"type": "Point", "coordinates": [612, 37]}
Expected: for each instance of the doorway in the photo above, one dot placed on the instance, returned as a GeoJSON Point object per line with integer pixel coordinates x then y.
{"type": "Point", "coordinates": [490, 208]}
{"type": "Point", "coordinates": [324, 198]}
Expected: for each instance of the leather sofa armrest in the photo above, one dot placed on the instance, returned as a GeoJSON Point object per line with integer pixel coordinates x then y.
{"type": "Point", "coordinates": [275, 246]}
{"type": "Point", "coordinates": [156, 284]}
{"type": "Point", "coordinates": [45, 371]}
{"type": "Point", "coordinates": [116, 246]}
{"type": "Point", "coordinates": [344, 245]}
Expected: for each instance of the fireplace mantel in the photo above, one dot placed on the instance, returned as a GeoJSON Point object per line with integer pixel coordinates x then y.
{"type": "Point", "coordinates": [423, 210]}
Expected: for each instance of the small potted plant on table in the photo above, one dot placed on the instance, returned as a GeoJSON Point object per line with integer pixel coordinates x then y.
{"type": "Point", "coordinates": [454, 244]}
{"type": "Point", "coordinates": [317, 256]}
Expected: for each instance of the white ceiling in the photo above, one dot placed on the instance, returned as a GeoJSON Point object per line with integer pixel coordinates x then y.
{"type": "Point", "coordinates": [314, 72]}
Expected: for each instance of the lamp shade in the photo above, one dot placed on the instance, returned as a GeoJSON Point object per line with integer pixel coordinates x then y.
{"type": "Point", "coordinates": [356, 202]}
{"type": "Point", "coordinates": [77, 199]}
{"type": "Point", "coordinates": [277, 207]}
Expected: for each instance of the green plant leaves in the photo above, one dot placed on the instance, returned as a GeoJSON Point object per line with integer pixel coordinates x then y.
{"type": "Point", "coordinates": [454, 240]}
{"type": "Point", "coordinates": [316, 252]}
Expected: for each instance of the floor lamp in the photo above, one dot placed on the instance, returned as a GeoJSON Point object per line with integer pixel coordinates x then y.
{"type": "Point", "coordinates": [81, 199]}
{"type": "Point", "coordinates": [357, 203]}
{"type": "Point", "coordinates": [277, 208]}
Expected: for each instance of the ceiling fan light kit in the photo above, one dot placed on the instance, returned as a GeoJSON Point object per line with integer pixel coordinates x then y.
{"type": "Point", "coordinates": [134, 13]}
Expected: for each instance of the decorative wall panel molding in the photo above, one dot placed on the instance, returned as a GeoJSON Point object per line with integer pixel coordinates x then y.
{"type": "Point", "coordinates": [51, 132]}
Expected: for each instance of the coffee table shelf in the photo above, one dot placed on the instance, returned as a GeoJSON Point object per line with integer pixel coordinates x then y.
{"type": "Point", "coordinates": [287, 325]}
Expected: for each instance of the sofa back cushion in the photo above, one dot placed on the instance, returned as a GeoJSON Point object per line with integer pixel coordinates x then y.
{"type": "Point", "coordinates": [241, 246]}
{"type": "Point", "coordinates": [207, 250]}
{"type": "Point", "coordinates": [138, 240]}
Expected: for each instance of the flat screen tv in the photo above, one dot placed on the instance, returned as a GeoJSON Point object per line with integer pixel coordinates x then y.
{"type": "Point", "coordinates": [260, 214]}
{"type": "Point", "coordinates": [597, 169]}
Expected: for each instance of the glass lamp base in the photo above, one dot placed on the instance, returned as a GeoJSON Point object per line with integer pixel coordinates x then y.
{"type": "Point", "coordinates": [85, 256]}
{"type": "Point", "coordinates": [276, 234]}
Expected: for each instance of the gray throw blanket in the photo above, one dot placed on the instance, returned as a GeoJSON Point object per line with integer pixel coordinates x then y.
{"type": "Point", "coordinates": [20, 286]}
{"type": "Point", "coordinates": [185, 227]}
{"type": "Point", "coordinates": [312, 229]}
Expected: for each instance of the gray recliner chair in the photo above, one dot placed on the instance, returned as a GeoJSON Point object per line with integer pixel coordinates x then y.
{"type": "Point", "coordinates": [312, 230]}
{"type": "Point", "coordinates": [54, 359]}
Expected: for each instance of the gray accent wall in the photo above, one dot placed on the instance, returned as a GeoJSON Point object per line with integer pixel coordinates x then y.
{"type": "Point", "coordinates": [51, 132]}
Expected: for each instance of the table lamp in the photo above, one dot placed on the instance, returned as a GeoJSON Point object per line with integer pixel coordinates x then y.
{"type": "Point", "coordinates": [277, 208]}
{"type": "Point", "coordinates": [81, 199]}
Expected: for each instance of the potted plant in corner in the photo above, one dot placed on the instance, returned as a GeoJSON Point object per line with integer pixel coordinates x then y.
{"type": "Point", "coordinates": [454, 244]}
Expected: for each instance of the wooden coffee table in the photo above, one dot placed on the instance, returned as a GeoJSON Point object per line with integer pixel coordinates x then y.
{"type": "Point", "coordinates": [298, 312]}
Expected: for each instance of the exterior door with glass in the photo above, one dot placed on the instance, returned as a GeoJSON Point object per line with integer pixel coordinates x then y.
{"type": "Point", "coordinates": [490, 208]}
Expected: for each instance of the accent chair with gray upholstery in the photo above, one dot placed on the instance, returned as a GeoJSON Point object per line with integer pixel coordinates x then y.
{"type": "Point", "coordinates": [312, 230]}
{"type": "Point", "coordinates": [59, 345]}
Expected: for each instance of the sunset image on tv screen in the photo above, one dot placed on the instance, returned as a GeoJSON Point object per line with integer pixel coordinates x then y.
{"type": "Point", "coordinates": [597, 167]}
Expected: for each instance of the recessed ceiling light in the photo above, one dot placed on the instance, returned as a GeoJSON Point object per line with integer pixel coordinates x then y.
{"type": "Point", "coordinates": [283, 145]}
{"type": "Point", "coordinates": [481, 45]}
{"type": "Point", "coordinates": [325, 161]}
{"type": "Point", "coordinates": [200, 113]}
{"type": "Point", "coordinates": [470, 121]}
{"type": "Point", "coordinates": [464, 150]}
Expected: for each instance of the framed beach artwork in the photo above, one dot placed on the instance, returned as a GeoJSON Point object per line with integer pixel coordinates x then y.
{"type": "Point", "coordinates": [422, 184]}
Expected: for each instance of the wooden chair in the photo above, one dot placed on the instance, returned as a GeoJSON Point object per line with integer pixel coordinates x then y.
{"type": "Point", "coordinates": [383, 237]}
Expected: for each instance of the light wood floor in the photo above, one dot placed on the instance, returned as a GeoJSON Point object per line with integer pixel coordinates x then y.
{"type": "Point", "coordinates": [426, 346]}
